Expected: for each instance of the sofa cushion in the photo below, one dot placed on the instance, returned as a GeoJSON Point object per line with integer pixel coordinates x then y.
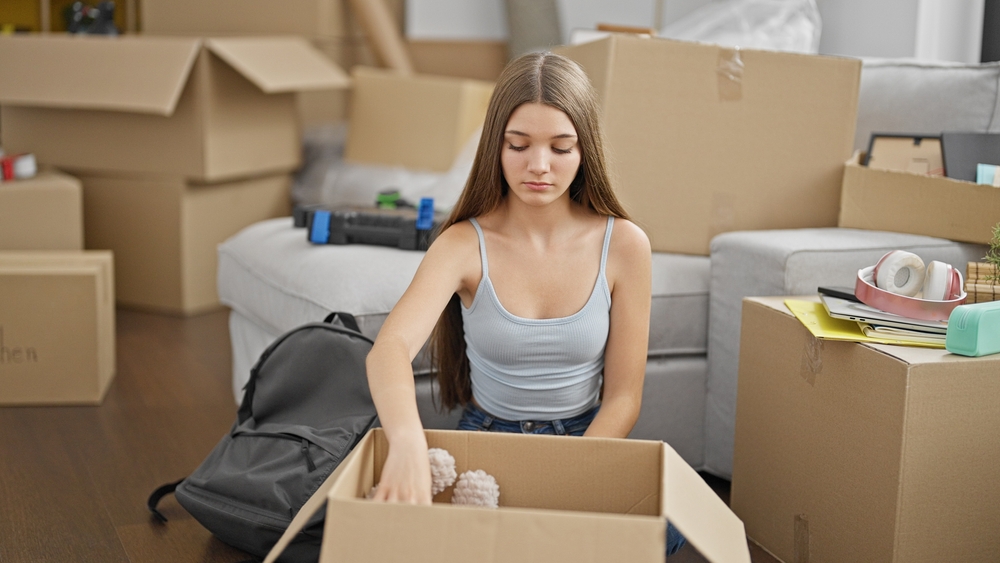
{"type": "Point", "coordinates": [271, 275]}
{"type": "Point", "coordinates": [900, 96]}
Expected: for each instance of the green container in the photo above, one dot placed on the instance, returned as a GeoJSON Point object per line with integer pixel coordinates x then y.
{"type": "Point", "coordinates": [974, 330]}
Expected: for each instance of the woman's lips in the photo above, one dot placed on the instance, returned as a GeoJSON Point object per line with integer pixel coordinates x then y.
{"type": "Point", "coordinates": [537, 186]}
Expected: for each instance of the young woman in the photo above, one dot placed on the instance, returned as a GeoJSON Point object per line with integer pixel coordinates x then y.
{"type": "Point", "coordinates": [537, 289]}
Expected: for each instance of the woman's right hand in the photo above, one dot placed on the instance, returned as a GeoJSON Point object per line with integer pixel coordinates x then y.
{"type": "Point", "coordinates": [406, 473]}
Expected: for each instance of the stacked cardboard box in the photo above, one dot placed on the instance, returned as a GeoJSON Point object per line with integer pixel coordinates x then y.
{"type": "Point", "coordinates": [704, 139]}
{"type": "Point", "coordinates": [57, 303]}
{"type": "Point", "coordinates": [330, 25]}
{"type": "Point", "coordinates": [57, 326]}
{"type": "Point", "coordinates": [199, 136]}
{"type": "Point", "coordinates": [41, 213]}
{"type": "Point", "coordinates": [863, 452]}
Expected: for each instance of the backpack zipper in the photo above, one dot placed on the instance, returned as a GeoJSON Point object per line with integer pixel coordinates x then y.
{"type": "Point", "coordinates": [310, 464]}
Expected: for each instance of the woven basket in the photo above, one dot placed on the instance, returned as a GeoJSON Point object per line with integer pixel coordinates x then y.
{"type": "Point", "coordinates": [976, 284]}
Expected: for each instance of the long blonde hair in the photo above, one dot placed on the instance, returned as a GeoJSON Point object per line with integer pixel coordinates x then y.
{"type": "Point", "coordinates": [548, 79]}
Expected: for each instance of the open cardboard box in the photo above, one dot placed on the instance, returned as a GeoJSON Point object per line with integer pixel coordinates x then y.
{"type": "Point", "coordinates": [418, 121]}
{"type": "Point", "coordinates": [205, 109]}
{"type": "Point", "coordinates": [57, 327]}
{"type": "Point", "coordinates": [41, 213]}
{"type": "Point", "coordinates": [851, 451]}
{"type": "Point", "coordinates": [561, 500]}
{"type": "Point", "coordinates": [312, 19]}
{"type": "Point", "coordinates": [905, 202]}
{"type": "Point", "coordinates": [704, 139]}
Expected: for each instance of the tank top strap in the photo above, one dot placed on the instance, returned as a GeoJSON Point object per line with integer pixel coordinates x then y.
{"type": "Point", "coordinates": [482, 247]}
{"type": "Point", "coordinates": [607, 244]}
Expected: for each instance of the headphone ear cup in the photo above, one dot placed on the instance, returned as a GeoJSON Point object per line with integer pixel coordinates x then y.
{"type": "Point", "coordinates": [900, 272]}
{"type": "Point", "coordinates": [937, 281]}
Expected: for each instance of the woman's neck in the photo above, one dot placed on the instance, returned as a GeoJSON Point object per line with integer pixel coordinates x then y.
{"type": "Point", "coordinates": [543, 224]}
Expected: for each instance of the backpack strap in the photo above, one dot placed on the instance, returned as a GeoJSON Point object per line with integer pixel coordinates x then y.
{"type": "Point", "coordinates": [154, 499]}
{"type": "Point", "coordinates": [315, 503]}
{"type": "Point", "coordinates": [345, 319]}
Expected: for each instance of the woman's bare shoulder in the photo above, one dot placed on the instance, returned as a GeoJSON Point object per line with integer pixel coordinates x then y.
{"type": "Point", "coordinates": [457, 246]}
{"type": "Point", "coordinates": [629, 240]}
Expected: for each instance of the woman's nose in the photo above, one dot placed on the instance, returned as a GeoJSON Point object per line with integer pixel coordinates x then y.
{"type": "Point", "coordinates": [538, 162]}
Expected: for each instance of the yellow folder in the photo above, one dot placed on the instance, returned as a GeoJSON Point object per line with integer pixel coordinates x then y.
{"type": "Point", "coordinates": [814, 316]}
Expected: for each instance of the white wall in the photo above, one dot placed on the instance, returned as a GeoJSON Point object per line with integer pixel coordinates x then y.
{"type": "Point", "coordinates": [926, 29]}
{"type": "Point", "coordinates": [950, 30]}
{"type": "Point", "coordinates": [487, 20]}
{"type": "Point", "coordinates": [937, 30]}
{"type": "Point", "coordinates": [868, 28]}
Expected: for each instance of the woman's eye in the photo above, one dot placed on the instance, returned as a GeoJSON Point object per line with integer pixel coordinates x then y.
{"type": "Point", "coordinates": [516, 148]}
{"type": "Point", "coordinates": [562, 151]}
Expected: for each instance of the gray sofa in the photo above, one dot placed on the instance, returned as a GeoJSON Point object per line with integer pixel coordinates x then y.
{"type": "Point", "coordinates": [273, 280]}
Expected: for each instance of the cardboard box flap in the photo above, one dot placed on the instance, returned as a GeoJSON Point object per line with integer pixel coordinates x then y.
{"type": "Point", "coordinates": [700, 515]}
{"type": "Point", "coordinates": [279, 64]}
{"type": "Point", "coordinates": [144, 75]}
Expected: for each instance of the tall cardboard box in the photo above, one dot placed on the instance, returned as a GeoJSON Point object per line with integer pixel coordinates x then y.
{"type": "Point", "coordinates": [904, 202]}
{"type": "Point", "coordinates": [419, 122]}
{"type": "Point", "coordinates": [204, 109]}
{"type": "Point", "coordinates": [705, 139]}
{"type": "Point", "coordinates": [41, 213]}
{"type": "Point", "coordinates": [164, 232]}
{"type": "Point", "coordinates": [863, 452]}
{"type": "Point", "coordinates": [57, 327]}
{"type": "Point", "coordinates": [562, 500]}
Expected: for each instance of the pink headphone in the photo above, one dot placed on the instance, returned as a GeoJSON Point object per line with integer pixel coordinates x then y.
{"type": "Point", "coordinates": [899, 283]}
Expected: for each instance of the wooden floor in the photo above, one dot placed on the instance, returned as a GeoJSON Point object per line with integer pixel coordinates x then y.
{"type": "Point", "coordinates": [74, 480]}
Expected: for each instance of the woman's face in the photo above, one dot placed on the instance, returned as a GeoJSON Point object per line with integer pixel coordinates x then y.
{"type": "Point", "coordinates": [540, 155]}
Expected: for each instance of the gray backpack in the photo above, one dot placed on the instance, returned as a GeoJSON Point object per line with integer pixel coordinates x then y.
{"type": "Point", "coordinates": [306, 405]}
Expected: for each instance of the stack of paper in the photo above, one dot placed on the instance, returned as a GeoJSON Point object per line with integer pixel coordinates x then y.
{"type": "Point", "coordinates": [814, 316]}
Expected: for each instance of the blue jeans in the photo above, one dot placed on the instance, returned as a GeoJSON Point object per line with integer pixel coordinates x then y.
{"type": "Point", "coordinates": [476, 419]}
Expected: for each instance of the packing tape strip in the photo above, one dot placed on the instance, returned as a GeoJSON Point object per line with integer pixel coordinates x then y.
{"type": "Point", "coordinates": [729, 72]}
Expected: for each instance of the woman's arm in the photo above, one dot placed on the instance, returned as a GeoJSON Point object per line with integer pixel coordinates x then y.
{"type": "Point", "coordinates": [445, 269]}
{"type": "Point", "coordinates": [629, 275]}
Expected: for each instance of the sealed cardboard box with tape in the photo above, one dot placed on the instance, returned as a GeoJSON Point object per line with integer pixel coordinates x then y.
{"type": "Point", "coordinates": [704, 139]}
{"type": "Point", "coordinates": [562, 500]}
{"type": "Point", "coordinates": [41, 213]}
{"type": "Point", "coordinates": [863, 452]}
{"type": "Point", "coordinates": [57, 327]}
{"type": "Point", "coordinates": [205, 109]}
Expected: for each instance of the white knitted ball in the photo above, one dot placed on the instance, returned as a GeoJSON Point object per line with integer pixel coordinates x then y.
{"type": "Point", "coordinates": [476, 488]}
{"type": "Point", "coordinates": [442, 469]}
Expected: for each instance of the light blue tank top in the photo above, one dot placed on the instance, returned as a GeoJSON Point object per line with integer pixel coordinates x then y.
{"type": "Point", "coordinates": [536, 369]}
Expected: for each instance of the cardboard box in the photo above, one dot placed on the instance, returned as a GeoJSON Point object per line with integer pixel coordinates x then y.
{"type": "Point", "coordinates": [41, 213]}
{"type": "Point", "coordinates": [705, 139]}
{"type": "Point", "coordinates": [903, 202]}
{"type": "Point", "coordinates": [57, 327]}
{"type": "Point", "coordinates": [419, 122]}
{"type": "Point", "coordinates": [206, 109]}
{"type": "Point", "coordinates": [306, 18]}
{"type": "Point", "coordinates": [561, 500]}
{"type": "Point", "coordinates": [164, 233]}
{"type": "Point", "coordinates": [863, 452]}
{"type": "Point", "coordinates": [479, 60]}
